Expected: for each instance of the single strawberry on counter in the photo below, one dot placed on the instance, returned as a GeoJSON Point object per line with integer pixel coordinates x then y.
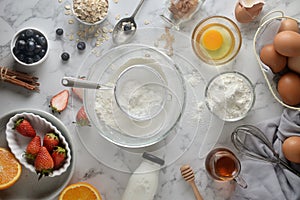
{"type": "Point", "coordinates": [59, 102]}
{"type": "Point", "coordinates": [50, 140]}
{"type": "Point", "coordinates": [43, 163]}
{"type": "Point", "coordinates": [32, 149]}
{"type": "Point", "coordinates": [81, 117]}
{"type": "Point", "coordinates": [24, 127]}
{"type": "Point", "coordinates": [59, 155]}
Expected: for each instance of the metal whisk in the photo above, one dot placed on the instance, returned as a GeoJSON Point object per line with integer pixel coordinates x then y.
{"type": "Point", "coordinates": [238, 139]}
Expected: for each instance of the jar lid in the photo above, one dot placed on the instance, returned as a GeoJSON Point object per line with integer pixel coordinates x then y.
{"type": "Point", "coordinates": [153, 158]}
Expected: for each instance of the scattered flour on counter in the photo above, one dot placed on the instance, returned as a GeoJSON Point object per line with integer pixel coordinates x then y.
{"type": "Point", "coordinates": [197, 115]}
{"type": "Point", "coordinates": [230, 96]}
{"type": "Point", "coordinates": [104, 107]}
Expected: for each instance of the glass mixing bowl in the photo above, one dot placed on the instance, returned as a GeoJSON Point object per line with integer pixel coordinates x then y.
{"type": "Point", "coordinates": [106, 115]}
{"type": "Point", "coordinates": [216, 40]}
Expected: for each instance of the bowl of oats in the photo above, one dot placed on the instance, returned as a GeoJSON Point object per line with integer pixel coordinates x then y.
{"type": "Point", "coordinates": [90, 12]}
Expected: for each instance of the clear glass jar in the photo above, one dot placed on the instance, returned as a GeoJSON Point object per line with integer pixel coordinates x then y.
{"type": "Point", "coordinates": [179, 11]}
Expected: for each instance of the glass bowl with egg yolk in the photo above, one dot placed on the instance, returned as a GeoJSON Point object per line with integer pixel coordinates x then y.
{"type": "Point", "coordinates": [216, 40]}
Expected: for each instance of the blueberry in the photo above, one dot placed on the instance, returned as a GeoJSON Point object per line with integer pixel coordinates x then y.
{"type": "Point", "coordinates": [29, 60]}
{"type": "Point", "coordinates": [30, 46]}
{"type": "Point", "coordinates": [37, 49]}
{"type": "Point", "coordinates": [29, 53]}
{"type": "Point", "coordinates": [81, 45]}
{"type": "Point", "coordinates": [59, 31]}
{"type": "Point", "coordinates": [42, 53]}
{"type": "Point", "coordinates": [22, 36]}
{"type": "Point", "coordinates": [29, 33]}
{"type": "Point", "coordinates": [21, 57]}
{"type": "Point", "coordinates": [16, 51]}
{"type": "Point", "coordinates": [31, 39]}
{"type": "Point", "coordinates": [127, 27]}
{"type": "Point", "coordinates": [36, 36]}
{"type": "Point", "coordinates": [20, 44]}
{"type": "Point", "coordinates": [36, 58]}
{"type": "Point", "coordinates": [42, 41]}
{"type": "Point", "coordinates": [65, 56]}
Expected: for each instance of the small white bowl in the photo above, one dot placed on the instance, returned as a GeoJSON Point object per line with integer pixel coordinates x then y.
{"type": "Point", "coordinates": [13, 44]}
{"type": "Point", "coordinates": [89, 23]}
{"type": "Point", "coordinates": [18, 143]}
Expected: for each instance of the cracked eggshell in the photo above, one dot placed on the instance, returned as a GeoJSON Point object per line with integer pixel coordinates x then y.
{"type": "Point", "coordinates": [247, 14]}
{"type": "Point", "coordinates": [250, 3]}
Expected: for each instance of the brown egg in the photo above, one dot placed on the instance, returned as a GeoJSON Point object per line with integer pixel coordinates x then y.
{"type": "Point", "coordinates": [291, 149]}
{"type": "Point", "coordinates": [287, 43]}
{"type": "Point", "coordinates": [289, 25]}
{"type": "Point", "coordinates": [246, 15]}
{"type": "Point", "coordinates": [271, 58]}
{"type": "Point", "coordinates": [294, 64]}
{"type": "Point", "coordinates": [289, 88]}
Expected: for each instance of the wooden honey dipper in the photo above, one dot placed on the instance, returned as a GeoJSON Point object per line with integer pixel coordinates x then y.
{"type": "Point", "coordinates": [188, 175]}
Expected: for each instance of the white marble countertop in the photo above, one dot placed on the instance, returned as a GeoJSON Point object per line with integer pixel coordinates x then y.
{"type": "Point", "coordinates": [49, 15]}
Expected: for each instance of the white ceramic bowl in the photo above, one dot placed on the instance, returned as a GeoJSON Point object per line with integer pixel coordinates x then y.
{"type": "Point", "coordinates": [18, 143]}
{"type": "Point", "coordinates": [86, 22]}
{"type": "Point", "coordinates": [13, 44]}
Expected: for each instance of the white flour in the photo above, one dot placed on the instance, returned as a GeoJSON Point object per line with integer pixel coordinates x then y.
{"type": "Point", "coordinates": [141, 101]}
{"type": "Point", "coordinates": [229, 96]}
{"type": "Point", "coordinates": [104, 107]}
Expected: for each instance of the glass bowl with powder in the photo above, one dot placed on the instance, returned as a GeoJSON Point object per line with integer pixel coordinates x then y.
{"type": "Point", "coordinates": [164, 94]}
{"type": "Point", "coordinates": [230, 96]}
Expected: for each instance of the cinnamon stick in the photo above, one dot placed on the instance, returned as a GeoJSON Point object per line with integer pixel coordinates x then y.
{"type": "Point", "coordinates": [18, 78]}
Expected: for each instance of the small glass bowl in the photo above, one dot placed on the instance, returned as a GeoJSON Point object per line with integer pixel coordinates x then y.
{"type": "Point", "coordinates": [231, 36]}
{"type": "Point", "coordinates": [19, 34]}
{"type": "Point", "coordinates": [231, 105]}
{"type": "Point", "coordinates": [86, 22]}
{"type": "Point", "coordinates": [179, 11]}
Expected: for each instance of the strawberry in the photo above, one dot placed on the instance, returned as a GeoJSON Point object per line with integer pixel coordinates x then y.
{"type": "Point", "coordinates": [43, 163]}
{"type": "Point", "coordinates": [59, 156]}
{"type": "Point", "coordinates": [50, 141]}
{"type": "Point", "coordinates": [59, 102]}
{"type": "Point", "coordinates": [24, 127]}
{"type": "Point", "coordinates": [33, 148]}
{"type": "Point", "coordinates": [78, 91]}
{"type": "Point", "coordinates": [81, 117]}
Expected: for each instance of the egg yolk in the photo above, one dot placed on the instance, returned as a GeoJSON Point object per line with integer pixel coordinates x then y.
{"type": "Point", "coordinates": [212, 40]}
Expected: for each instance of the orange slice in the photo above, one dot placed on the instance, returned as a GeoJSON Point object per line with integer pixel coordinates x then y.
{"type": "Point", "coordinates": [212, 40]}
{"type": "Point", "coordinates": [10, 169]}
{"type": "Point", "coordinates": [80, 190]}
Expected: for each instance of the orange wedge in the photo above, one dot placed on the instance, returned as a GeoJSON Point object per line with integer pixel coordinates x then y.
{"type": "Point", "coordinates": [80, 190]}
{"type": "Point", "coordinates": [10, 169]}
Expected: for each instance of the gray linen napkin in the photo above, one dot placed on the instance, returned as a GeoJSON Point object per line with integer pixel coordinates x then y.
{"type": "Point", "coordinates": [268, 181]}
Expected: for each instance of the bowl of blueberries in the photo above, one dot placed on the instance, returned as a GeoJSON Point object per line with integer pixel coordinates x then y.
{"type": "Point", "coordinates": [29, 47]}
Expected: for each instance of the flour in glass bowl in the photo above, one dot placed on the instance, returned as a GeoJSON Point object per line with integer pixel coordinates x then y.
{"type": "Point", "coordinates": [141, 101]}
{"type": "Point", "coordinates": [230, 96]}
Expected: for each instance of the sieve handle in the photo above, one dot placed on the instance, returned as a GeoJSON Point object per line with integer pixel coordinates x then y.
{"type": "Point", "coordinates": [79, 83]}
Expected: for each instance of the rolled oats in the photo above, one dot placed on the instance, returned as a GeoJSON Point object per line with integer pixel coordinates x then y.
{"type": "Point", "coordinates": [90, 11]}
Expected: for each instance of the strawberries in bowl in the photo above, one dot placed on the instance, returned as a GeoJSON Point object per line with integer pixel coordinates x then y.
{"type": "Point", "coordinates": [36, 152]}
